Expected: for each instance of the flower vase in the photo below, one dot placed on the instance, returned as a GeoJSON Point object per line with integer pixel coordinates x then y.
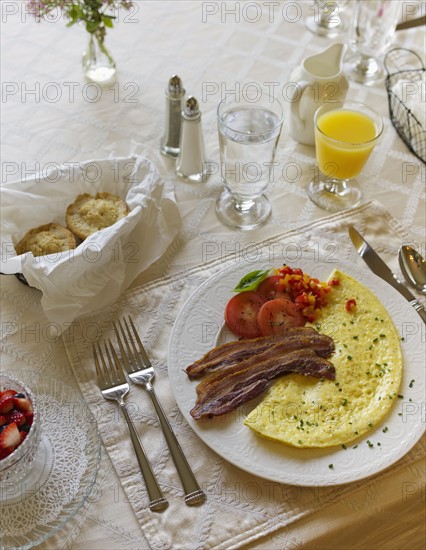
{"type": "Point", "coordinates": [98, 64]}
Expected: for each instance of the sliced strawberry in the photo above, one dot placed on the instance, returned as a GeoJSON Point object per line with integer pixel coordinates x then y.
{"type": "Point", "coordinates": [10, 437]}
{"type": "Point", "coordinates": [6, 404]}
{"type": "Point", "coordinates": [17, 417]}
{"type": "Point", "coordinates": [29, 417]}
{"type": "Point", "coordinates": [22, 403]}
{"type": "Point", "coordinates": [22, 436]}
{"type": "Point", "coordinates": [8, 393]}
{"type": "Point", "coordinates": [5, 452]}
{"type": "Point", "coordinates": [3, 420]}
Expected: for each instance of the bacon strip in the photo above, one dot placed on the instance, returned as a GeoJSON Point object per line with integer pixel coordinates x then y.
{"type": "Point", "coordinates": [233, 352]}
{"type": "Point", "coordinates": [321, 344]}
{"type": "Point", "coordinates": [218, 395]}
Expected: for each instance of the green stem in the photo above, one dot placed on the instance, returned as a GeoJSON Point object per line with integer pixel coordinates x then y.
{"type": "Point", "coordinates": [104, 50]}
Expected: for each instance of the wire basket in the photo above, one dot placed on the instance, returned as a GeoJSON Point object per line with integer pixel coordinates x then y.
{"type": "Point", "coordinates": [405, 122]}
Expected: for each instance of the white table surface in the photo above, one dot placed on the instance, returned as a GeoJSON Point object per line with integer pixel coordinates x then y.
{"type": "Point", "coordinates": [52, 115]}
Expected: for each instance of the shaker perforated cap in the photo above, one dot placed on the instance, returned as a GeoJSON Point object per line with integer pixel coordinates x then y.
{"type": "Point", "coordinates": [175, 87]}
{"type": "Point", "coordinates": [191, 107]}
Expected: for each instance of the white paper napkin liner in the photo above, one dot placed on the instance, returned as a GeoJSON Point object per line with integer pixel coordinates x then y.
{"type": "Point", "coordinates": [93, 275]}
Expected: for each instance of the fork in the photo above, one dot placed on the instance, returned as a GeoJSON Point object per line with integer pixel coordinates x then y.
{"type": "Point", "coordinates": [114, 386]}
{"type": "Point", "coordinates": [140, 371]}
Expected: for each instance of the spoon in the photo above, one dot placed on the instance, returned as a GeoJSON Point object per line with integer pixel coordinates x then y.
{"type": "Point", "coordinates": [413, 267]}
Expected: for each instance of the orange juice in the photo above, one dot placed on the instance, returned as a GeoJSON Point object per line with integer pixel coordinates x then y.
{"type": "Point", "coordinates": [344, 140]}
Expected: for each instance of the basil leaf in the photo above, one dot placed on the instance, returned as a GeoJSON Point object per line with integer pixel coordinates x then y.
{"type": "Point", "coordinates": [251, 281]}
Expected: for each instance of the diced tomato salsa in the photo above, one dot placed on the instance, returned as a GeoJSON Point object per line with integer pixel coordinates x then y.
{"type": "Point", "coordinates": [307, 292]}
{"type": "Point", "coordinates": [350, 304]}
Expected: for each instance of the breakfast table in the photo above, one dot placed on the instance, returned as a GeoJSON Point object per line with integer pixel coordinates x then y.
{"type": "Point", "coordinates": [53, 117]}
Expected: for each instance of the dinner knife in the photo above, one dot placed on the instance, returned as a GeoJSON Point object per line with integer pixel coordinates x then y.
{"type": "Point", "coordinates": [411, 23]}
{"type": "Point", "coordinates": [378, 266]}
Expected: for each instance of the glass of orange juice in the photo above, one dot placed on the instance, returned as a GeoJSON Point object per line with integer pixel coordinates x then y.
{"type": "Point", "coordinates": [346, 133]}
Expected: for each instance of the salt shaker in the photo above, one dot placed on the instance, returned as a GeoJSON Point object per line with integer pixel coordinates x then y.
{"type": "Point", "coordinates": [175, 98]}
{"type": "Point", "coordinates": [191, 163]}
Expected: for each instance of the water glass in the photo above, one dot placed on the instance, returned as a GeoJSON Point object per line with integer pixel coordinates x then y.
{"type": "Point", "coordinates": [327, 20]}
{"type": "Point", "coordinates": [249, 129]}
{"type": "Point", "coordinates": [370, 34]}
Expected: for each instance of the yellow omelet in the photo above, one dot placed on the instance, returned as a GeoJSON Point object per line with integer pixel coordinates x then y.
{"type": "Point", "coordinates": [307, 412]}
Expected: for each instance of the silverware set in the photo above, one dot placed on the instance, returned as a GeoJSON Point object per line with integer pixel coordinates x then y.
{"type": "Point", "coordinates": [132, 363]}
{"type": "Point", "coordinates": [412, 264]}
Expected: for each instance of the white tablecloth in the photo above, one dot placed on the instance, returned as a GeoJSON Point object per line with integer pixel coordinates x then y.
{"type": "Point", "coordinates": [51, 115]}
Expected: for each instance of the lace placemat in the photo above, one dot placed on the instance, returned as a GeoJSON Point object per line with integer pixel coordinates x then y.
{"type": "Point", "coordinates": [240, 507]}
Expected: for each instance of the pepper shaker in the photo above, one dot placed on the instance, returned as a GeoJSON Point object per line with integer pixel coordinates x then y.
{"type": "Point", "coordinates": [191, 163]}
{"type": "Point", "coordinates": [175, 97]}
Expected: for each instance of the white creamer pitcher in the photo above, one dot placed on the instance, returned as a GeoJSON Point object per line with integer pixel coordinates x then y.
{"type": "Point", "coordinates": [318, 80]}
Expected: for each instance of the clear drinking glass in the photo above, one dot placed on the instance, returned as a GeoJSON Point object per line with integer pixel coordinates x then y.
{"type": "Point", "coordinates": [249, 130]}
{"type": "Point", "coordinates": [370, 34]}
{"type": "Point", "coordinates": [326, 20]}
{"type": "Point", "coordinates": [346, 133]}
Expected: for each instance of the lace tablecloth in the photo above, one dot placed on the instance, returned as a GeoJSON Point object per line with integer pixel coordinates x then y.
{"type": "Point", "coordinates": [51, 116]}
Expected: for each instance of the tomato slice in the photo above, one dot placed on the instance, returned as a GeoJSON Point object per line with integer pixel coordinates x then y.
{"type": "Point", "coordinates": [241, 313]}
{"type": "Point", "coordinates": [271, 288]}
{"type": "Point", "coordinates": [275, 316]}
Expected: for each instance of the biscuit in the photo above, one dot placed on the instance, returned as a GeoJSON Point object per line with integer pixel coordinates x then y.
{"type": "Point", "coordinates": [46, 239]}
{"type": "Point", "coordinates": [89, 213]}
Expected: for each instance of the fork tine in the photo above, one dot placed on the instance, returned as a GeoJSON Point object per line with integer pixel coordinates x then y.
{"type": "Point", "coordinates": [100, 376]}
{"type": "Point", "coordinates": [108, 366]}
{"type": "Point", "coordinates": [127, 356]}
{"type": "Point", "coordinates": [115, 366]}
{"type": "Point", "coordinates": [131, 339]}
{"type": "Point", "coordinates": [105, 372]}
{"type": "Point", "coordinates": [142, 351]}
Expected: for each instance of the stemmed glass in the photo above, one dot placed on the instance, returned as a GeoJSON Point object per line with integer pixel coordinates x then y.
{"type": "Point", "coordinates": [249, 130]}
{"type": "Point", "coordinates": [370, 34]}
{"type": "Point", "coordinates": [326, 20]}
{"type": "Point", "coordinates": [345, 135]}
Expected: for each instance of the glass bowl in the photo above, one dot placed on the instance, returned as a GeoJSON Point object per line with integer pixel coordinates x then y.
{"type": "Point", "coordinates": [14, 467]}
{"type": "Point", "coordinates": [62, 475]}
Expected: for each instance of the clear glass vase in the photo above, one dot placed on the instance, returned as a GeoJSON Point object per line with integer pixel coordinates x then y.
{"type": "Point", "coordinates": [98, 64]}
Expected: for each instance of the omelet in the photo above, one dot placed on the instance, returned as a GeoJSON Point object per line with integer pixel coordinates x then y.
{"type": "Point", "coordinates": [304, 412]}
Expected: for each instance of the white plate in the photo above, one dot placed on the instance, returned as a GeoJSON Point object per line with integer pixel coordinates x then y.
{"type": "Point", "coordinates": [198, 329]}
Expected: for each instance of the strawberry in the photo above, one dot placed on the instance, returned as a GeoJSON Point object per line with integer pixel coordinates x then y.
{"type": "Point", "coordinates": [8, 393]}
{"type": "Point", "coordinates": [5, 452]}
{"type": "Point", "coordinates": [22, 403]}
{"type": "Point", "coordinates": [10, 437]}
{"type": "Point", "coordinates": [17, 417]}
{"type": "Point", "coordinates": [29, 417]}
{"type": "Point", "coordinates": [6, 404]}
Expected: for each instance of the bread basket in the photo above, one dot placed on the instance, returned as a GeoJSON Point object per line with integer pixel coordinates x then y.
{"type": "Point", "coordinates": [405, 87]}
